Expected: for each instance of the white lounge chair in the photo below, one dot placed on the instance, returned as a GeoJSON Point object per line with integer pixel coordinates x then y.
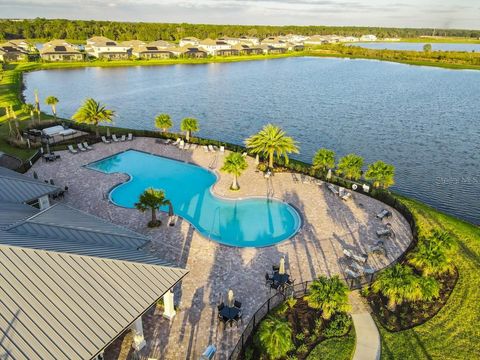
{"type": "Point", "coordinates": [123, 138]}
{"type": "Point", "coordinates": [210, 147]}
{"type": "Point", "coordinates": [130, 137]}
{"type": "Point", "coordinates": [105, 141]}
{"type": "Point", "coordinates": [222, 149]}
{"type": "Point", "coordinates": [244, 154]}
{"type": "Point", "coordinates": [80, 147]}
{"type": "Point", "coordinates": [194, 146]}
{"type": "Point", "coordinates": [384, 232]}
{"type": "Point", "coordinates": [187, 146]}
{"type": "Point", "coordinates": [71, 149]}
{"type": "Point", "coordinates": [362, 259]}
{"type": "Point", "coordinates": [114, 138]}
{"type": "Point", "coordinates": [177, 141]}
{"type": "Point", "coordinates": [352, 274]}
{"type": "Point", "coordinates": [384, 214]}
{"type": "Point", "coordinates": [332, 189]}
{"type": "Point", "coordinates": [168, 141]}
{"type": "Point", "coordinates": [88, 147]}
{"type": "Point", "coordinates": [181, 145]}
{"type": "Point", "coordinates": [205, 148]}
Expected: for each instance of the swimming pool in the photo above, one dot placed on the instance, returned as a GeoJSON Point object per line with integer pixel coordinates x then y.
{"type": "Point", "coordinates": [252, 222]}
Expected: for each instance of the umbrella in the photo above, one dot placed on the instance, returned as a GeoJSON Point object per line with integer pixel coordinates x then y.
{"type": "Point", "coordinates": [230, 298]}
{"type": "Point", "coordinates": [329, 174]}
{"type": "Point", "coordinates": [257, 160]}
{"type": "Point", "coordinates": [281, 268]}
{"type": "Point", "coordinates": [108, 131]}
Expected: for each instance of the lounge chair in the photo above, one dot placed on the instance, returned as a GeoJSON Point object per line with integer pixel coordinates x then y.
{"type": "Point", "coordinates": [351, 274]}
{"type": "Point", "coordinates": [181, 145]}
{"type": "Point", "coordinates": [193, 146]}
{"type": "Point", "coordinates": [130, 137]}
{"type": "Point", "coordinates": [244, 154]}
{"type": "Point", "coordinates": [177, 141]}
{"type": "Point", "coordinates": [123, 138]}
{"type": "Point", "coordinates": [332, 189]}
{"type": "Point", "coordinates": [71, 149]}
{"type": "Point", "coordinates": [237, 304]}
{"type": "Point", "coordinates": [210, 147]}
{"type": "Point", "coordinates": [384, 232]}
{"type": "Point", "coordinates": [345, 195]}
{"type": "Point", "coordinates": [384, 214]}
{"type": "Point", "coordinates": [362, 259]}
{"type": "Point", "coordinates": [294, 178]}
{"type": "Point", "coordinates": [222, 149]}
{"type": "Point", "coordinates": [105, 141]}
{"type": "Point", "coordinates": [205, 148]}
{"type": "Point", "coordinates": [187, 146]}
{"type": "Point", "coordinates": [80, 147]}
{"type": "Point", "coordinates": [168, 141]}
{"type": "Point", "coordinates": [114, 138]}
{"type": "Point", "coordinates": [88, 147]}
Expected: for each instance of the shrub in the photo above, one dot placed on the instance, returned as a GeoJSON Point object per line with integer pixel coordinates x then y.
{"type": "Point", "coordinates": [338, 326]}
{"type": "Point", "coordinates": [302, 349]}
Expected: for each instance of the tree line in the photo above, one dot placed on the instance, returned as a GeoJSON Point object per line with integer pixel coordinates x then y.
{"type": "Point", "coordinates": [83, 29]}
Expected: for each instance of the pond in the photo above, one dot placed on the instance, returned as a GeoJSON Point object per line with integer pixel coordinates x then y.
{"type": "Point", "coordinates": [423, 120]}
{"type": "Point", "coordinates": [398, 45]}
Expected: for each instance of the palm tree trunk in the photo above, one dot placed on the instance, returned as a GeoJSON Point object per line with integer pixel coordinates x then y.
{"type": "Point", "coordinates": [97, 131]}
{"type": "Point", "coordinates": [164, 130]}
{"type": "Point", "coordinates": [154, 216]}
{"type": "Point", "coordinates": [31, 116]}
{"type": "Point", "coordinates": [188, 135]}
{"type": "Point", "coordinates": [270, 160]}
{"type": "Point", "coordinates": [235, 183]}
{"type": "Point", "coordinates": [170, 209]}
{"type": "Point", "coordinates": [54, 110]}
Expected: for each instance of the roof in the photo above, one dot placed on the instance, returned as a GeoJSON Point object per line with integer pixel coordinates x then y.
{"type": "Point", "coordinates": [11, 213]}
{"type": "Point", "coordinates": [132, 43]}
{"type": "Point", "coordinates": [19, 188]}
{"type": "Point", "coordinates": [161, 44]}
{"type": "Point", "coordinates": [58, 47]}
{"type": "Point", "coordinates": [66, 223]}
{"type": "Point", "coordinates": [55, 305]}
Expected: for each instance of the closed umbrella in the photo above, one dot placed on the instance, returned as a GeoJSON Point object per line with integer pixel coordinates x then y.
{"type": "Point", "coordinates": [230, 298]}
{"type": "Point", "coordinates": [281, 268]}
{"type": "Point", "coordinates": [257, 160]}
{"type": "Point", "coordinates": [329, 174]}
{"type": "Point", "coordinates": [108, 131]}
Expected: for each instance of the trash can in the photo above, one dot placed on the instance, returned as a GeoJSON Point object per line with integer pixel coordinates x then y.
{"type": "Point", "coordinates": [209, 353]}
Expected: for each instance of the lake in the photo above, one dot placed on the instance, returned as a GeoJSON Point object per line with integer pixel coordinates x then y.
{"type": "Point", "coordinates": [394, 45]}
{"type": "Point", "coordinates": [424, 120]}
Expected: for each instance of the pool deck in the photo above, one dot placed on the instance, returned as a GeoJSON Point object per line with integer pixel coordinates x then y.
{"type": "Point", "coordinates": [329, 225]}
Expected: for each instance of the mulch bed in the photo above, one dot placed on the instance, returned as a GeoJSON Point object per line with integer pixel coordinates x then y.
{"type": "Point", "coordinates": [409, 315]}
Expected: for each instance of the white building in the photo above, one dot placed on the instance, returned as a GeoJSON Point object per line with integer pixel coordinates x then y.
{"type": "Point", "coordinates": [193, 41]}
{"type": "Point", "coordinates": [104, 48]}
{"type": "Point", "coordinates": [368, 38]}
{"type": "Point", "coordinates": [213, 46]}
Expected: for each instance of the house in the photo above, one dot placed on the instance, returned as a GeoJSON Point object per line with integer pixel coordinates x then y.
{"type": "Point", "coordinates": [251, 39]}
{"type": "Point", "coordinates": [191, 41]}
{"type": "Point", "coordinates": [188, 51]}
{"type": "Point", "coordinates": [132, 43]}
{"type": "Point", "coordinates": [213, 46]}
{"type": "Point", "coordinates": [245, 49]}
{"type": "Point", "coordinates": [103, 48]}
{"type": "Point", "coordinates": [274, 42]}
{"type": "Point", "coordinates": [161, 44]}
{"type": "Point", "coordinates": [227, 52]}
{"type": "Point", "coordinates": [60, 50]}
{"type": "Point", "coordinates": [295, 47]}
{"type": "Point", "coordinates": [72, 283]}
{"type": "Point", "coordinates": [230, 40]}
{"type": "Point", "coordinates": [151, 52]}
{"type": "Point", "coordinates": [269, 49]}
{"type": "Point", "coordinates": [22, 44]}
{"type": "Point", "coordinates": [368, 38]}
{"type": "Point", "coordinates": [315, 40]}
{"type": "Point", "coordinates": [10, 52]}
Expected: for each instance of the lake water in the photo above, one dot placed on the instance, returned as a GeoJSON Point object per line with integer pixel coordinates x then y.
{"type": "Point", "coordinates": [424, 120]}
{"type": "Point", "coordinates": [418, 46]}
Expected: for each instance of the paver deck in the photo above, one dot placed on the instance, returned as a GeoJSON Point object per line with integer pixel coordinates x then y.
{"type": "Point", "coordinates": [329, 225]}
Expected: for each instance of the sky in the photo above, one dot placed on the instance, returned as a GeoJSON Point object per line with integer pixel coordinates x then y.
{"type": "Point", "coordinates": [463, 14]}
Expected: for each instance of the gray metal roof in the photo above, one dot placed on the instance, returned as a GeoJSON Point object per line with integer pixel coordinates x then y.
{"type": "Point", "coordinates": [16, 187]}
{"type": "Point", "coordinates": [63, 222]}
{"type": "Point", "coordinates": [60, 306]}
{"type": "Point", "coordinates": [11, 213]}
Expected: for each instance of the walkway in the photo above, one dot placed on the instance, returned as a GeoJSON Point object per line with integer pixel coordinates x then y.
{"type": "Point", "coordinates": [368, 346]}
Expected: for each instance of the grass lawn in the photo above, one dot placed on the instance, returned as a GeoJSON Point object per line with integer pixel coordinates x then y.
{"type": "Point", "coordinates": [335, 348]}
{"type": "Point", "coordinates": [454, 332]}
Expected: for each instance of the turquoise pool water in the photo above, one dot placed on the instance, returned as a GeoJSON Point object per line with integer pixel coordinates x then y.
{"type": "Point", "coordinates": [252, 222]}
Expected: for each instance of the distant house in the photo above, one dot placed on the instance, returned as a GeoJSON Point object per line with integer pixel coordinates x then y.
{"type": "Point", "coordinates": [188, 52]}
{"type": "Point", "coordinates": [368, 38]}
{"type": "Point", "coordinates": [230, 40]}
{"type": "Point", "coordinates": [103, 48]}
{"type": "Point", "coordinates": [132, 43]}
{"type": "Point", "coordinates": [274, 42]}
{"type": "Point", "coordinates": [212, 47]}
{"type": "Point", "coordinates": [268, 49]}
{"type": "Point", "coordinates": [22, 44]}
{"type": "Point", "coordinates": [295, 47]}
{"type": "Point", "coordinates": [192, 41]}
{"type": "Point", "coordinates": [245, 49]}
{"type": "Point", "coordinates": [161, 44]}
{"type": "Point", "coordinates": [151, 52]}
{"type": "Point", "coordinates": [60, 50]}
{"type": "Point", "coordinates": [227, 52]}
{"type": "Point", "coordinates": [10, 52]}
{"type": "Point", "coordinates": [250, 39]}
{"type": "Point", "coordinates": [315, 40]}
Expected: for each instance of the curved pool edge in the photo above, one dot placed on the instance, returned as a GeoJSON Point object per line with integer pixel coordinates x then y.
{"type": "Point", "coordinates": [295, 212]}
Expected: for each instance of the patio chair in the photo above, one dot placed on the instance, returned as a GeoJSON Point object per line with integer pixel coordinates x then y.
{"type": "Point", "coordinates": [383, 232]}
{"type": "Point", "coordinates": [181, 145]}
{"type": "Point", "coordinates": [123, 138]}
{"type": "Point", "coordinates": [210, 148]}
{"type": "Point", "coordinates": [205, 148]}
{"type": "Point", "coordinates": [168, 141]}
{"type": "Point", "coordinates": [362, 259]}
{"type": "Point", "coordinates": [237, 304]}
{"type": "Point", "coordinates": [88, 147]}
{"type": "Point", "coordinates": [220, 307]}
{"type": "Point", "coordinates": [130, 137]}
{"type": "Point", "coordinates": [384, 214]}
{"type": "Point", "coordinates": [80, 147]}
{"type": "Point", "coordinates": [105, 141]}
{"type": "Point", "coordinates": [222, 149]}
{"type": "Point", "coordinates": [244, 154]}
{"type": "Point", "coordinates": [268, 279]}
{"type": "Point", "coordinates": [351, 274]}
{"type": "Point", "coordinates": [71, 149]}
{"type": "Point", "coordinates": [346, 195]}
{"type": "Point", "coordinates": [177, 141]}
{"type": "Point", "coordinates": [294, 178]}
{"type": "Point", "coordinates": [114, 138]}
{"type": "Point", "coordinates": [332, 189]}
{"type": "Point", "coordinates": [187, 146]}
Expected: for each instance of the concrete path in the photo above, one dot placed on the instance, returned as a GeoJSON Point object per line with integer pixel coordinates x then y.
{"type": "Point", "coordinates": [368, 346]}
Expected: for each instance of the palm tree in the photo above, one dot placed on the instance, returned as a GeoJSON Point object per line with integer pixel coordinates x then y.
{"type": "Point", "coordinates": [274, 337]}
{"type": "Point", "coordinates": [350, 166]}
{"type": "Point", "coordinates": [164, 122]}
{"type": "Point", "coordinates": [272, 140]}
{"type": "Point", "coordinates": [323, 160]}
{"type": "Point", "coordinates": [382, 175]}
{"type": "Point", "coordinates": [93, 113]}
{"type": "Point", "coordinates": [29, 109]}
{"type": "Point", "coordinates": [442, 239]}
{"type": "Point", "coordinates": [431, 259]}
{"type": "Point", "coordinates": [329, 295]}
{"type": "Point", "coordinates": [398, 283]}
{"type": "Point", "coordinates": [189, 125]}
{"type": "Point", "coordinates": [152, 199]}
{"type": "Point", "coordinates": [52, 101]}
{"type": "Point", "coordinates": [234, 164]}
